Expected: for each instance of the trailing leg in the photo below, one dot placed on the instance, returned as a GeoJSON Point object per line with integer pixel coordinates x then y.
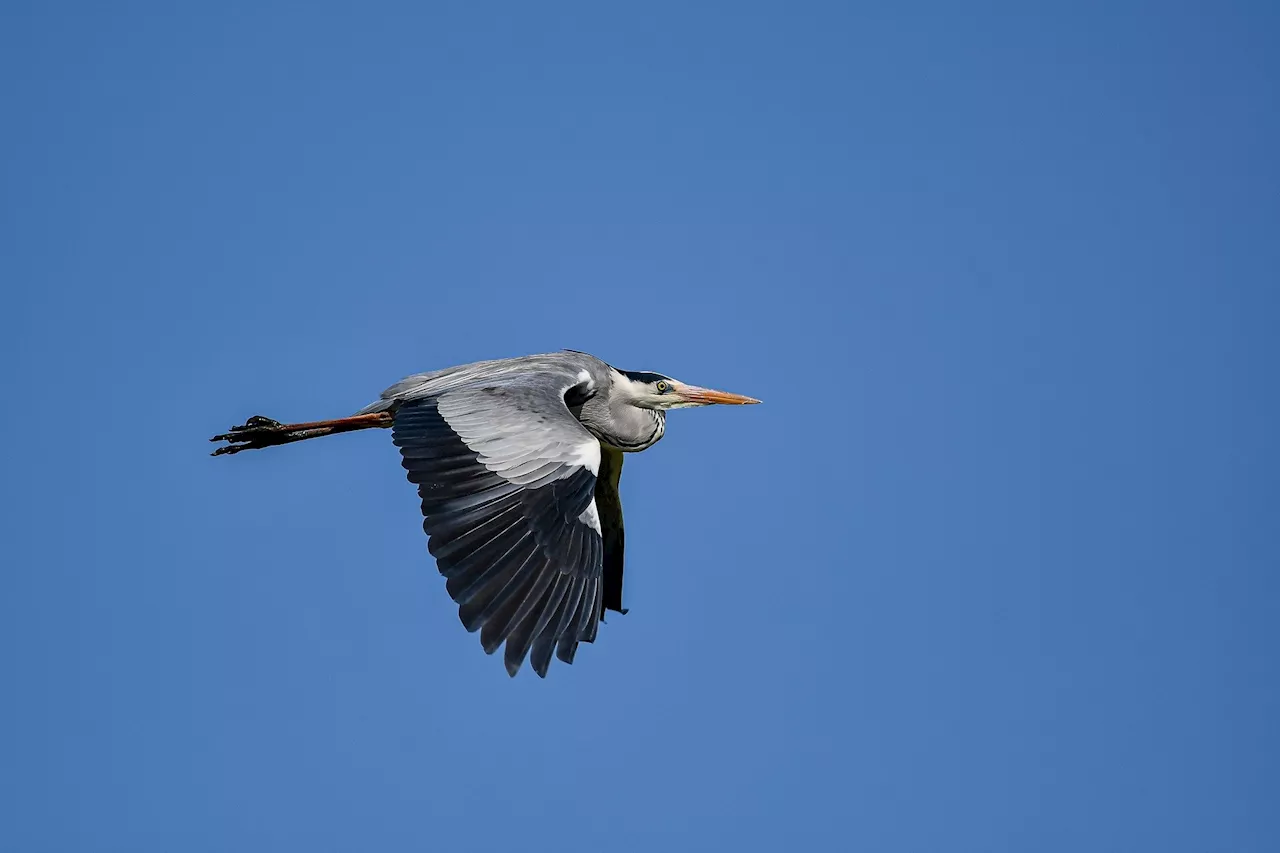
{"type": "Point", "coordinates": [259, 432]}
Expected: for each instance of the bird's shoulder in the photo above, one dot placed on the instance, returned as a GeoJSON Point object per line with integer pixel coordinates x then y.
{"type": "Point", "coordinates": [519, 378]}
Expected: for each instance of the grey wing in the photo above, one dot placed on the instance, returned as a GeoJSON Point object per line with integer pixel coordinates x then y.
{"type": "Point", "coordinates": [609, 506]}
{"type": "Point", "coordinates": [507, 479]}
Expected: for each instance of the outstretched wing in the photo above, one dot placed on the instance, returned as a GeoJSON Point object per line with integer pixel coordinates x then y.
{"type": "Point", "coordinates": [507, 478]}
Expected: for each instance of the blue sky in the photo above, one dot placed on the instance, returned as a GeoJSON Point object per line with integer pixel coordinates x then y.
{"type": "Point", "coordinates": [993, 569]}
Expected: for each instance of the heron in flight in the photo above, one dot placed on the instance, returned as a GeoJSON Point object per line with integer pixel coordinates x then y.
{"type": "Point", "coordinates": [517, 463]}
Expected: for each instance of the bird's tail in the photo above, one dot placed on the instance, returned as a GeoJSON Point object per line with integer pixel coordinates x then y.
{"type": "Point", "coordinates": [259, 432]}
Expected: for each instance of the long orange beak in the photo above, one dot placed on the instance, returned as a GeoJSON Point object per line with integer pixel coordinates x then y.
{"type": "Point", "coordinates": [694, 394]}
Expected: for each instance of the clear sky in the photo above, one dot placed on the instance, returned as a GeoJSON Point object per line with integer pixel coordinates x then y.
{"type": "Point", "coordinates": [993, 569]}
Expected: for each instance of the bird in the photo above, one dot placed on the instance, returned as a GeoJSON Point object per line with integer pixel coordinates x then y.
{"type": "Point", "coordinates": [517, 463]}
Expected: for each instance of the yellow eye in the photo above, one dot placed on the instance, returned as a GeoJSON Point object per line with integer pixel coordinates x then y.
{"type": "Point", "coordinates": [662, 387]}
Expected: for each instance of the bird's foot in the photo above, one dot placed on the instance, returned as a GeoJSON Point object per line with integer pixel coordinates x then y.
{"type": "Point", "coordinates": [259, 422]}
{"type": "Point", "coordinates": [254, 433]}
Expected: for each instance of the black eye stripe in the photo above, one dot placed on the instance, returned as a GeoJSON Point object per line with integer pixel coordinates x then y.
{"type": "Point", "coordinates": [642, 376]}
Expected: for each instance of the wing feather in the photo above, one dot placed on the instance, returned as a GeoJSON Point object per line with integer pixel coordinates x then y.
{"type": "Point", "coordinates": [507, 480]}
{"type": "Point", "coordinates": [609, 508]}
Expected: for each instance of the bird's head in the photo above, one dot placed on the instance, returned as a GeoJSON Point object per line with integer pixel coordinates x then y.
{"type": "Point", "coordinates": [655, 391]}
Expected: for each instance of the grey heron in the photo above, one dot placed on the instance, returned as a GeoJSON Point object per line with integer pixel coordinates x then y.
{"type": "Point", "coordinates": [517, 463]}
